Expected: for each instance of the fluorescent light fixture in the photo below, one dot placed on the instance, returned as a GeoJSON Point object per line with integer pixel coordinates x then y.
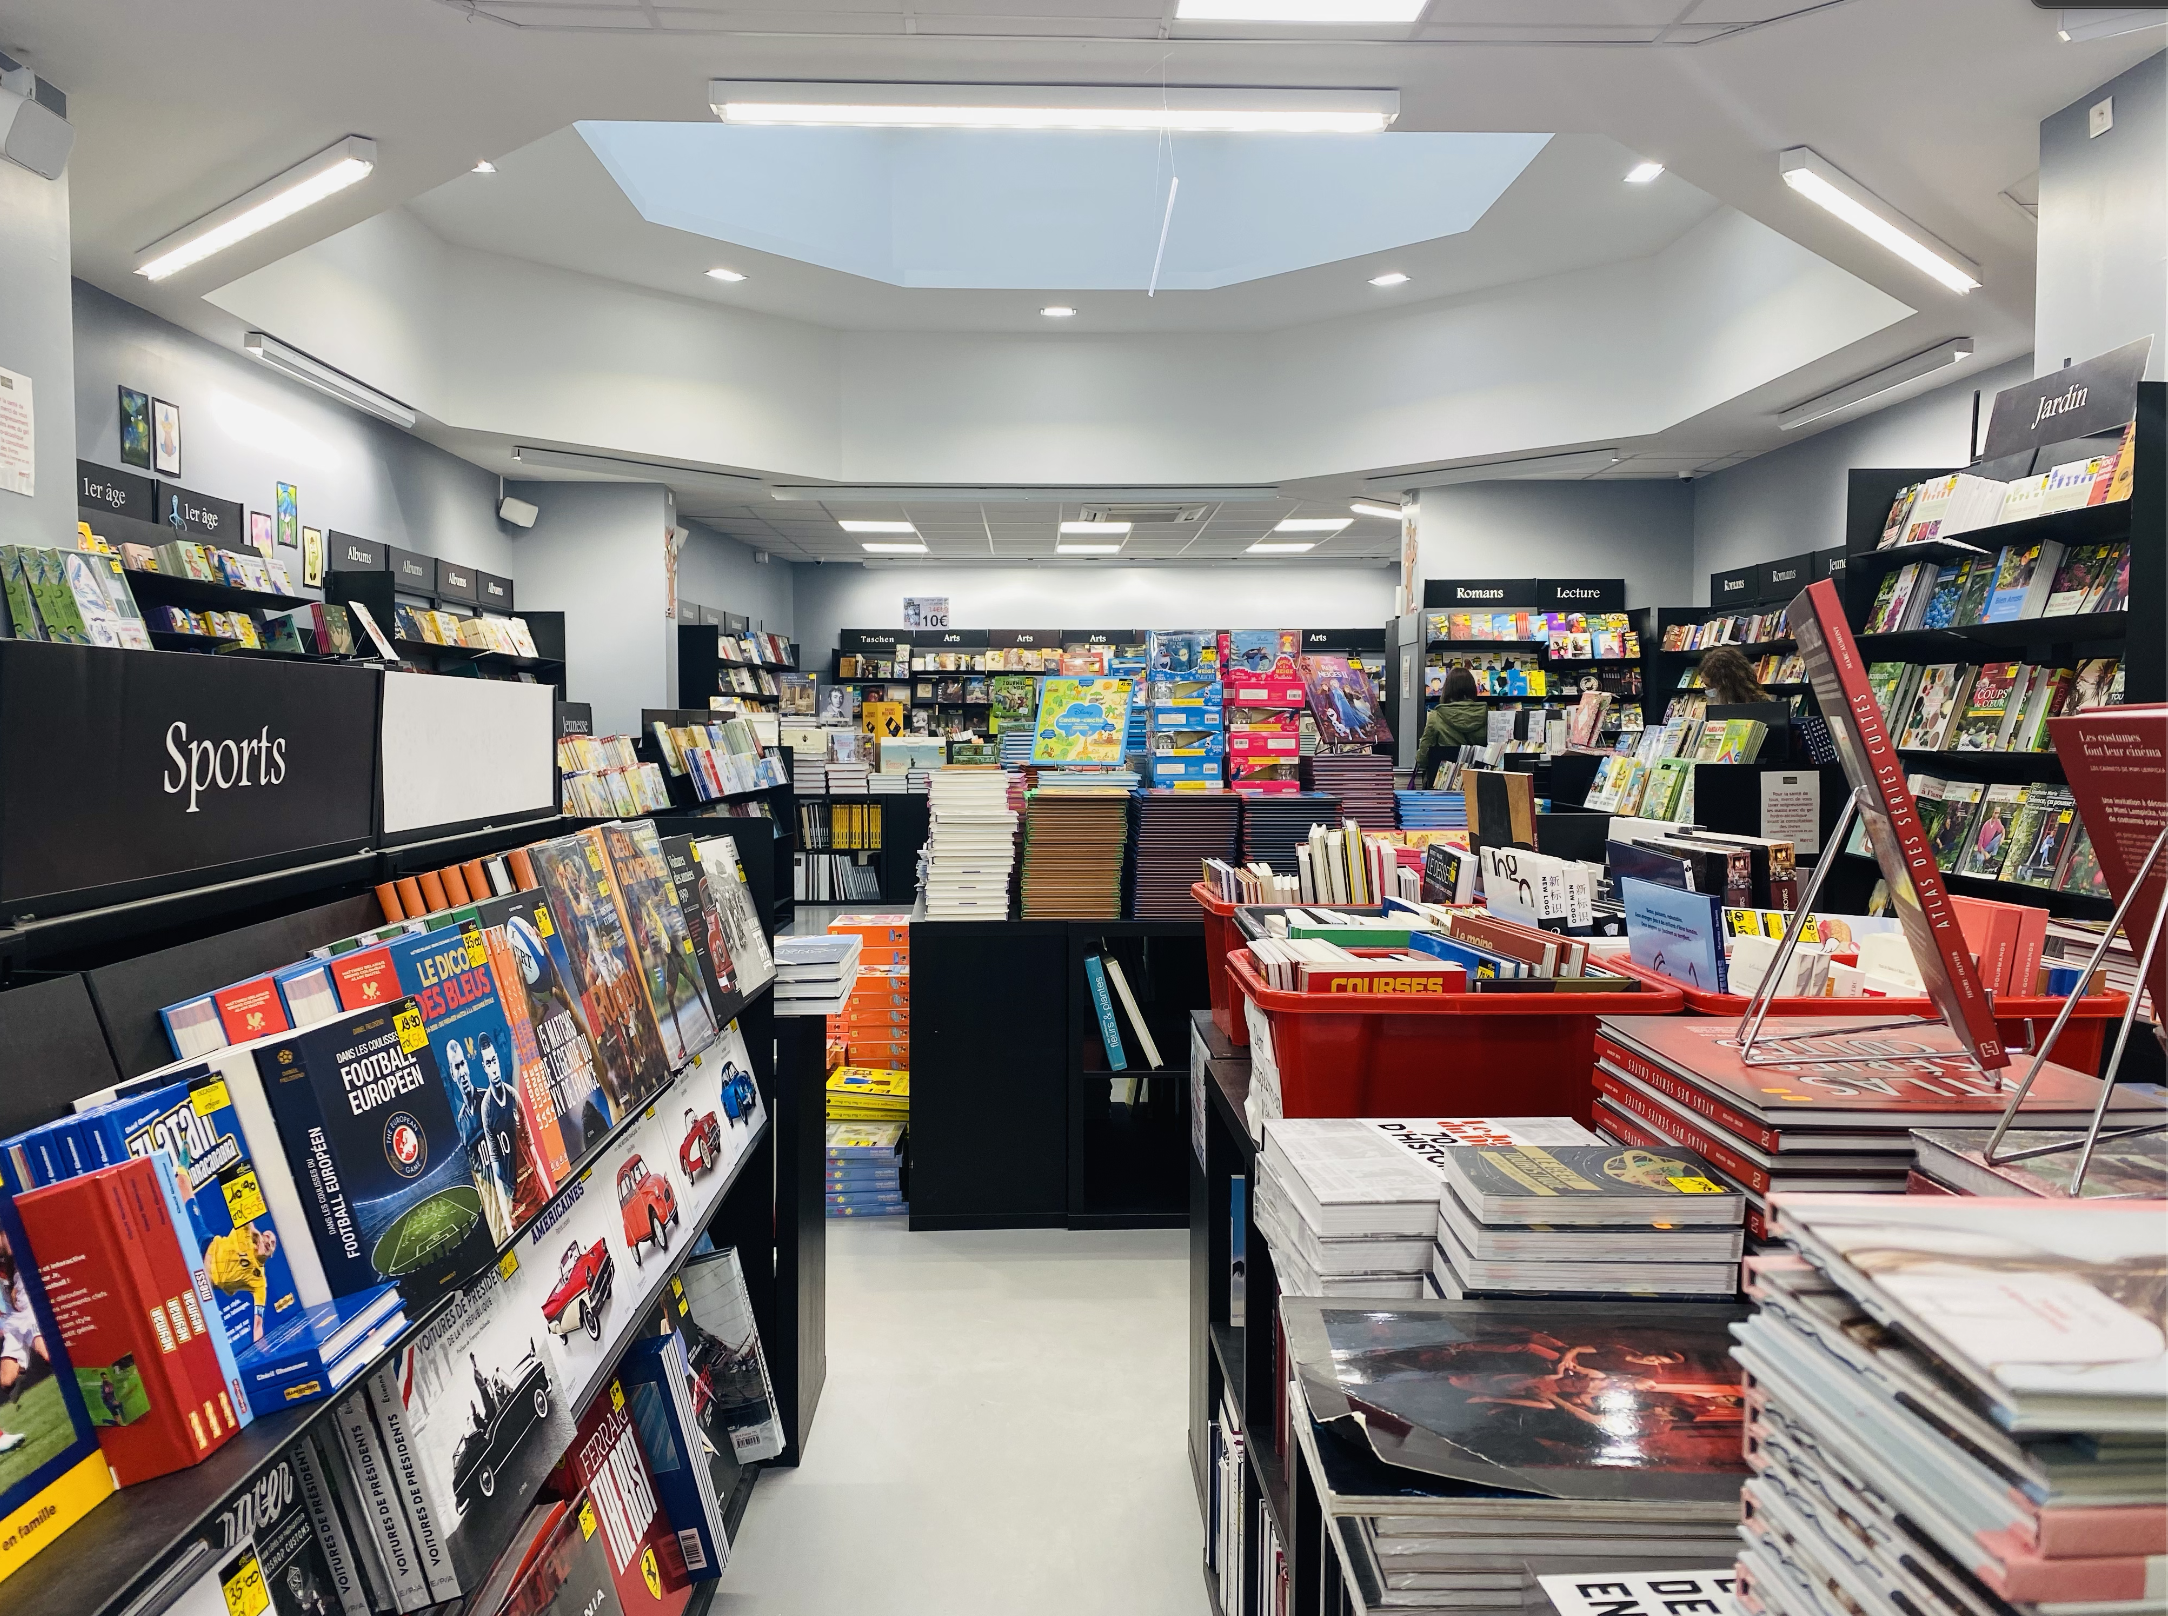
{"type": "Point", "coordinates": [329, 172]}
{"type": "Point", "coordinates": [1377, 507]}
{"type": "Point", "coordinates": [1943, 354]}
{"type": "Point", "coordinates": [878, 527]}
{"type": "Point", "coordinates": [1267, 547]}
{"type": "Point", "coordinates": [1642, 173]}
{"type": "Point", "coordinates": [2102, 23]}
{"type": "Point", "coordinates": [629, 470]}
{"type": "Point", "coordinates": [1300, 11]}
{"type": "Point", "coordinates": [1058, 311]}
{"type": "Point", "coordinates": [718, 273]}
{"type": "Point", "coordinates": [892, 547]}
{"type": "Point", "coordinates": [1312, 524]}
{"type": "Point", "coordinates": [1827, 186]}
{"type": "Point", "coordinates": [1095, 527]}
{"type": "Point", "coordinates": [311, 372]}
{"type": "Point", "coordinates": [1392, 277]}
{"type": "Point", "coordinates": [1073, 548]}
{"type": "Point", "coordinates": [485, 166]}
{"type": "Point", "coordinates": [1055, 106]}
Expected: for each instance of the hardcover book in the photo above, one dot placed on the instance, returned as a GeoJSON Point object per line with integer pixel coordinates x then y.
{"type": "Point", "coordinates": [553, 1043]}
{"type": "Point", "coordinates": [736, 909]}
{"type": "Point", "coordinates": [2116, 760]}
{"type": "Point", "coordinates": [1587, 1185]}
{"type": "Point", "coordinates": [574, 872]}
{"type": "Point", "coordinates": [732, 1397]}
{"type": "Point", "coordinates": [661, 942]}
{"type": "Point", "coordinates": [1986, 714]}
{"type": "Point", "coordinates": [710, 949]}
{"type": "Point", "coordinates": [657, 1378]}
{"type": "Point", "coordinates": [1081, 721]}
{"type": "Point", "coordinates": [646, 1564]}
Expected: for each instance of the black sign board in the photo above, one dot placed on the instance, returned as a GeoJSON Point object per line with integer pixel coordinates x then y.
{"type": "Point", "coordinates": [414, 573]}
{"type": "Point", "coordinates": [1826, 564]}
{"type": "Point", "coordinates": [734, 623]}
{"type": "Point", "coordinates": [1776, 582]}
{"type": "Point", "coordinates": [1738, 587]}
{"type": "Point", "coordinates": [456, 582]}
{"type": "Point", "coordinates": [198, 516]}
{"type": "Point", "coordinates": [115, 493]}
{"type": "Point", "coordinates": [494, 592]}
{"type": "Point", "coordinates": [2074, 402]}
{"type": "Point", "coordinates": [1580, 594]}
{"type": "Point", "coordinates": [575, 718]}
{"type": "Point", "coordinates": [132, 772]}
{"type": "Point", "coordinates": [1009, 639]}
{"type": "Point", "coordinates": [949, 639]}
{"type": "Point", "coordinates": [345, 552]}
{"type": "Point", "coordinates": [1102, 636]}
{"type": "Point", "coordinates": [1480, 594]}
{"type": "Point", "coordinates": [853, 641]}
{"type": "Point", "coordinates": [1343, 639]}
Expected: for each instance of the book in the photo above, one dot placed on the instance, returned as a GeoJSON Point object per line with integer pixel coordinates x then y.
{"type": "Point", "coordinates": [1081, 720]}
{"type": "Point", "coordinates": [735, 909]}
{"type": "Point", "coordinates": [1986, 714]}
{"type": "Point", "coordinates": [661, 941]}
{"type": "Point", "coordinates": [1676, 933]}
{"type": "Point", "coordinates": [2038, 838]}
{"type": "Point", "coordinates": [574, 875]}
{"type": "Point", "coordinates": [2134, 1168]}
{"type": "Point", "coordinates": [1561, 1186]}
{"type": "Point", "coordinates": [703, 923]}
{"type": "Point", "coordinates": [1110, 1032]}
{"type": "Point", "coordinates": [1136, 1018]}
{"type": "Point", "coordinates": [2116, 760]}
{"type": "Point", "coordinates": [317, 1350]}
{"type": "Point", "coordinates": [379, 1503]}
{"type": "Point", "coordinates": [558, 1075]}
{"type": "Point", "coordinates": [2024, 578]}
{"type": "Point", "coordinates": [1381, 1177]}
{"type": "Point", "coordinates": [1986, 842]}
{"type": "Point", "coordinates": [732, 1397]}
{"type": "Point", "coordinates": [1936, 704]}
{"type": "Point", "coordinates": [605, 1462]}
{"type": "Point", "coordinates": [657, 1379]}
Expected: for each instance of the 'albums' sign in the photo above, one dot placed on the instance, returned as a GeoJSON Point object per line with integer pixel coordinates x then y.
{"type": "Point", "coordinates": [132, 772]}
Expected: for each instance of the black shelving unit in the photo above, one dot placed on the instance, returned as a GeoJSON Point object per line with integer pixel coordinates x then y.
{"type": "Point", "coordinates": [1669, 668]}
{"type": "Point", "coordinates": [163, 589]}
{"type": "Point", "coordinates": [381, 593]}
{"type": "Point", "coordinates": [702, 666]}
{"type": "Point", "coordinates": [1557, 672]}
{"type": "Point", "coordinates": [904, 822]}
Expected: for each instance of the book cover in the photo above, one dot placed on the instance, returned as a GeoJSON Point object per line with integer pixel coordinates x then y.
{"type": "Point", "coordinates": [1893, 828]}
{"type": "Point", "coordinates": [560, 1076]}
{"type": "Point", "coordinates": [1081, 720]}
{"type": "Point", "coordinates": [657, 1378]}
{"type": "Point", "coordinates": [646, 1565]}
{"type": "Point", "coordinates": [1676, 933]}
{"type": "Point", "coordinates": [447, 974]}
{"type": "Point", "coordinates": [1587, 1184]}
{"type": "Point", "coordinates": [1984, 720]}
{"type": "Point", "coordinates": [732, 1397]}
{"type": "Point", "coordinates": [317, 1350]}
{"type": "Point", "coordinates": [661, 942]}
{"type": "Point", "coordinates": [374, 1152]}
{"type": "Point", "coordinates": [251, 1009]}
{"type": "Point", "coordinates": [1935, 707]}
{"type": "Point", "coordinates": [1343, 703]}
{"type": "Point", "coordinates": [1987, 842]}
{"type": "Point", "coordinates": [736, 909]}
{"type": "Point", "coordinates": [2116, 761]}
{"type": "Point", "coordinates": [574, 873]}
{"type": "Point", "coordinates": [710, 948]}
{"type": "Point", "coordinates": [2038, 836]}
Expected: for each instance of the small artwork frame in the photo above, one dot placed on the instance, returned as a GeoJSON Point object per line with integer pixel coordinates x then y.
{"type": "Point", "coordinates": [260, 533]}
{"type": "Point", "coordinates": [288, 524]}
{"type": "Point", "coordinates": [312, 558]}
{"type": "Point", "coordinates": [135, 429]}
{"type": "Point", "coordinates": [165, 438]}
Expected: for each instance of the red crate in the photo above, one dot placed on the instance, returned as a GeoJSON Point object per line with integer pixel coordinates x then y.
{"type": "Point", "coordinates": [1220, 934]}
{"type": "Point", "coordinates": [1458, 1054]}
{"type": "Point", "coordinates": [2022, 1019]}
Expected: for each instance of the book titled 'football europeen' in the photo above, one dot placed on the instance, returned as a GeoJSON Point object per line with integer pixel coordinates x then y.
{"type": "Point", "coordinates": [376, 1154]}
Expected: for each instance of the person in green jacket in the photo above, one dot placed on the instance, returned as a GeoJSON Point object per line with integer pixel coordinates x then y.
{"type": "Point", "coordinates": [1460, 719]}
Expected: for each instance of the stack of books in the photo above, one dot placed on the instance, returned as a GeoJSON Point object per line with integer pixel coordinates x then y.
{"type": "Point", "coordinates": [1349, 1206]}
{"type": "Point", "coordinates": [865, 1168]}
{"type": "Point", "coordinates": [875, 1026]}
{"type": "Point", "coordinates": [1072, 863]}
{"type": "Point", "coordinates": [846, 779]}
{"type": "Point", "coordinates": [1171, 835]}
{"type": "Point", "coordinates": [1956, 1405]}
{"type": "Point", "coordinates": [1273, 827]}
{"type": "Point", "coordinates": [1584, 1220]}
{"type": "Point", "coordinates": [1431, 810]}
{"type": "Point", "coordinates": [1363, 781]}
{"type": "Point", "coordinates": [2036, 1161]}
{"type": "Point", "coordinates": [970, 846]}
{"type": "Point", "coordinates": [1676, 1082]}
{"type": "Point", "coordinates": [814, 975]}
{"type": "Point", "coordinates": [1016, 745]}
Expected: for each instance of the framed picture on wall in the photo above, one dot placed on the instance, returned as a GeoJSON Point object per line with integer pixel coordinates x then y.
{"type": "Point", "coordinates": [259, 532]}
{"type": "Point", "coordinates": [165, 438]}
{"type": "Point", "coordinates": [312, 558]}
{"type": "Point", "coordinates": [135, 429]}
{"type": "Point", "coordinates": [289, 515]}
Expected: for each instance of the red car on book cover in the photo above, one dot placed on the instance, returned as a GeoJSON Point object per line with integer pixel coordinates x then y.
{"type": "Point", "coordinates": [648, 1206]}
{"type": "Point", "coordinates": [582, 1295]}
{"type": "Point", "coordinates": [502, 1415]}
{"type": "Point", "coordinates": [702, 1150]}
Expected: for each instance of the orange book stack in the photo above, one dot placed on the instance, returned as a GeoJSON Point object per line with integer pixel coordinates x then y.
{"type": "Point", "coordinates": [875, 1027]}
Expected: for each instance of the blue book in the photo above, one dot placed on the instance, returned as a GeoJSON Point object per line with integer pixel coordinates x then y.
{"type": "Point", "coordinates": [184, 1230]}
{"type": "Point", "coordinates": [1110, 1033]}
{"type": "Point", "coordinates": [657, 1379]}
{"type": "Point", "coordinates": [320, 1349]}
{"type": "Point", "coordinates": [193, 1027]}
{"type": "Point", "coordinates": [1674, 933]}
{"type": "Point", "coordinates": [307, 992]}
{"type": "Point", "coordinates": [1238, 1268]}
{"type": "Point", "coordinates": [1479, 962]}
{"type": "Point", "coordinates": [39, 1156]}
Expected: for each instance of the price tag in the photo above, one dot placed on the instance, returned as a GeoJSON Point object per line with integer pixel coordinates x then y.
{"type": "Point", "coordinates": [1695, 1184]}
{"type": "Point", "coordinates": [617, 1395]}
{"type": "Point", "coordinates": [205, 1098]}
{"type": "Point", "coordinates": [587, 1519]}
{"type": "Point", "coordinates": [243, 1586]}
{"type": "Point", "coordinates": [594, 857]}
{"type": "Point", "coordinates": [542, 922]}
{"type": "Point", "coordinates": [508, 1265]}
{"type": "Point", "coordinates": [477, 948]}
{"type": "Point", "coordinates": [244, 1197]}
{"type": "Point", "coordinates": [413, 1035]}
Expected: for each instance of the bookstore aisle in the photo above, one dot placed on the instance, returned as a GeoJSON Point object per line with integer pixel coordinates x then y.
{"type": "Point", "coordinates": [1001, 1431]}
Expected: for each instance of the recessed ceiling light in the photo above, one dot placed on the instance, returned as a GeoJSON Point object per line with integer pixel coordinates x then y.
{"type": "Point", "coordinates": [485, 166]}
{"type": "Point", "coordinates": [1827, 186]}
{"type": "Point", "coordinates": [1312, 524]}
{"type": "Point", "coordinates": [1095, 527]}
{"type": "Point", "coordinates": [1298, 11]}
{"type": "Point", "coordinates": [1642, 173]}
{"type": "Point", "coordinates": [1087, 549]}
{"type": "Point", "coordinates": [718, 273]}
{"type": "Point", "coordinates": [1392, 277]}
{"type": "Point", "coordinates": [1376, 507]}
{"type": "Point", "coordinates": [1267, 547]}
{"type": "Point", "coordinates": [878, 527]}
{"type": "Point", "coordinates": [891, 547]}
{"type": "Point", "coordinates": [1057, 311]}
{"type": "Point", "coordinates": [326, 174]}
{"type": "Point", "coordinates": [1038, 106]}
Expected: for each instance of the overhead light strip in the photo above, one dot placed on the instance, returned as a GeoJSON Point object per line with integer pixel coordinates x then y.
{"type": "Point", "coordinates": [1939, 357]}
{"type": "Point", "coordinates": [638, 471]}
{"type": "Point", "coordinates": [310, 371]}
{"type": "Point", "coordinates": [329, 172]}
{"type": "Point", "coordinates": [1178, 109]}
{"type": "Point", "coordinates": [1827, 186]}
{"type": "Point", "coordinates": [1313, 13]}
{"type": "Point", "coordinates": [908, 494]}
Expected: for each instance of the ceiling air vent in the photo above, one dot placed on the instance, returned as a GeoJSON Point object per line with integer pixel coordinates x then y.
{"type": "Point", "coordinates": [1148, 515]}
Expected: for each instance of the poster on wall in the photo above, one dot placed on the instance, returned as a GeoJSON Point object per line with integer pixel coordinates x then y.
{"type": "Point", "coordinates": [259, 533]}
{"type": "Point", "coordinates": [135, 429]}
{"type": "Point", "coordinates": [18, 435]}
{"type": "Point", "coordinates": [312, 558]}
{"type": "Point", "coordinates": [925, 611]}
{"type": "Point", "coordinates": [165, 438]}
{"type": "Point", "coordinates": [289, 516]}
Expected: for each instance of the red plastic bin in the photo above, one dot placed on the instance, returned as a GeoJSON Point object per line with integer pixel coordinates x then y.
{"type": "Point", "coordinates": [1455, 1054]}
{"type": "Point", "coordinates": [2022, 1019]}
{"type": "Point", "coordinates": [1221, 936]}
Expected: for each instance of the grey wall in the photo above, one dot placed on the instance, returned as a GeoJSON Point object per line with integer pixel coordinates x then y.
{"type": "Point", "coordinates": [718, 571]}
{"type": "Point", "coordinates": [1639, 531]}
{"type": "Point", "coordinates": [596, 553]}
{"type": "Point", "coordinates": [1792, 499]}
{"type": "Point", "coordinates": [245, 429]}
{"type": "Point", "coordinates": [2104, 225]}
{"type": "Point", "coordinates": [34, 262]}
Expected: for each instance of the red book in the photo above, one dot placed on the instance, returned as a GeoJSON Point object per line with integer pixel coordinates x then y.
{"type": "Point", "coordinates": [1991, 933]}
{"type": "Point", "coordinates": [606, 1460]}
{"type": "Point", "coordinates": [1901, 847]}
{"type": "Point", "coordinates": [251, 1010]}
{"type": "Point", "coordinates": [365, 978]}
{"type": "Point", "coordinates": [2116, 759]}
{"type": "Point", "coordinates": [139, 1348]}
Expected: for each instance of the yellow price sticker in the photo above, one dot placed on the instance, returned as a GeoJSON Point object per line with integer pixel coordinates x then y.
{"type": "Point", "coordinates": [1695, 1184]}
{"type": "Point", "coordinates": [244, 1197]}
{"type": "Point", "coordinates": [542, 921]}
{"type": "Point", "coordinates": [594, 858]}
{"type": "Point", "coordinates": [477, 949]}
{"type": "Point", "coordinates": [413, 1035]}
{"type": "Point", "coordinates": [244, 1588]}
{"type": "Point", "coordinates": [587, 1519]}
{"type": "Point", "coordinates": [617, 1395]}
{"type": "Point", "coordinates": [205, 1098]}
{"type": "Point", "coordinates": [508, 1265]}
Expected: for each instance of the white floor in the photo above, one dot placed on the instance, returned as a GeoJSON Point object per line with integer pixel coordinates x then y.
{"type": "Point", "coordinates": [1003, 1431]}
